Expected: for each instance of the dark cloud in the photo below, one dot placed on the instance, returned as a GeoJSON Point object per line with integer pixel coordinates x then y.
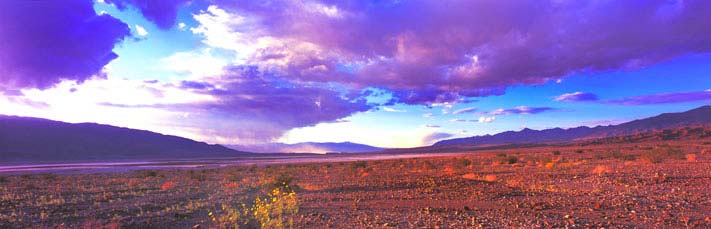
{"type": "Point", "coordinates": [435, 51]}
{"type": "Point", "coordinates": [576, 97]}
{"type": "Point", "coordinates": [679, 97]}
{"type": "Point", "coordinates": [434, 137]}
{"type": "Point", "coordinates": [44, 42]}
{"type": "Point", "coordinates": [161, 12]}
{"type": "Point", "coordinates": [185, 84]}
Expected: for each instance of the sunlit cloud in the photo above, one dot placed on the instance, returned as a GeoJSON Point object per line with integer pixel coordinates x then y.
{"type": "Point", "coordinates": [576, 97]}
{"type": "Point", "coordinates": [141, 31]}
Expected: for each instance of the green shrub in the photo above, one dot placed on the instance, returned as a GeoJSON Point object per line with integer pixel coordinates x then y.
{"type": "Point", "coordinates": [557, 152]}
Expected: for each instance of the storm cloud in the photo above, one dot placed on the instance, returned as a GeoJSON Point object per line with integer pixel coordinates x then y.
{"type": "Point", "coordinates": [45, 42]}
{"type": "Point", "coordinates": [434, 51]}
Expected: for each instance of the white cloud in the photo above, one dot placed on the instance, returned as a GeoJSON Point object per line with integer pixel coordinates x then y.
{"type": "Point", "coordinates": [464, 110]}
{"type": "Point", "coordinates": [216, 25]}
{"type": "Point", "coordinates": [390, 109]}
{"type": "Point", "coordinates": [576, 97]}
{"type": "Point", "coordinates": [499, 111]}
{"type": "Point", "coordinates": [396, 137]}
{"type": "Point", "coordinates": [181, 26]}
{"type": "Point", "coordinates": [141, 31]}
{"type": "Point", "coordinates": [88, 104]}
{"type": "Point", "coordinates": [252, 45]}
{"type": "Point", "coordinates": [198, 64]}
{"type": "Point", "coordinates": [427, 115]}
{"type": "Point", "coordinates": [486, 119]}
{"type": "Point", "coordinates": [318, 8]}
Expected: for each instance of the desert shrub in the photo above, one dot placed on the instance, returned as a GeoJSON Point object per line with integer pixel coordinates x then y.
{"type": "Point", "coordinates": [253, 168]}
{"type": "Point", "coordinates": [429, 184]}
{"type": "Point", "coordinates": [427, 164]}
{"type": "Point", "coordinates": [617, 154]}
{"type": "Point", "coordinates": [505, 159]}
{"type": "Point", "coordinates": [47, 176]}
{"type": "Point", "coordinates": [278, 210]}
{"type": "Point", "coordinates": [283, 181]}
{"type": "Point", "coordinates": [579, 151]}
{"type": "Point", "coordinates": [601, 169]}
{"type": "Point", "coordinates": [691, 157]}
{"type": "Point", "coordinates": [599, 156]}
{"type": "Point", "coordinates": [3, 179]}
{"type": "Point", "coordinates": [490, 178]}
{"type": "Point", "coordinates": [463, 162]}
{"type": "Point", "coordinates": [147, 173]}
{"type": "Point", "coordinates": [660, 154]}
{"type": "Point", "coordinates": [359, 164]}
{"type": "Point", "coordinates": [232, 216]}
{"type": "Point", "coordinates": [168, 185]}
{"type": "Point", "coordinates": [557, 152]}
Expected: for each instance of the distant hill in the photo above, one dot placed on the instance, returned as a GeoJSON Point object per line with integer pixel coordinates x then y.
{"type": "Point", "coordinates": [25, 139]}
{"type": "Point", "coordinates": [308, 147]}
{"type": "Point", "coordinates": [697, 117]}
{"type": "Point", "coordinates": [682, 133]}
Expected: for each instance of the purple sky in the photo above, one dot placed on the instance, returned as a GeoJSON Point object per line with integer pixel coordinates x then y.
{"type": "Point", "coordinates": [388, 73]}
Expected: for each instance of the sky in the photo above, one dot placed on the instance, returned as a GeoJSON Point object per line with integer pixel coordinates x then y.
{"type": "Point", "coordinates": [384, 73]}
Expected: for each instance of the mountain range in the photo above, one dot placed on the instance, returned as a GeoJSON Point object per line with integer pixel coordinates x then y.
{"type": "Point", "coordinates": [697, 117]}
{"type": "Point", "coordinates": [24, 139]}
{"type": "Point", "coordinates": [36, 140]}
{"type": "Point", "coordinates": [308, 147]}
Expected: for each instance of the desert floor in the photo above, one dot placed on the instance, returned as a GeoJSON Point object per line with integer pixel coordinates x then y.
{"type": "Point", "coordinates": [600, 185]}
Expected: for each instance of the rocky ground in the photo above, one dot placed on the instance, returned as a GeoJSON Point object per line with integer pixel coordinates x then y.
{"type": "Point", "coordinates": [610, 185]}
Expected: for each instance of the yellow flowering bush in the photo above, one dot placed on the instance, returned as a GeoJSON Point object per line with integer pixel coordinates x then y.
{"type": "Point", "coordinates": [278, 209]}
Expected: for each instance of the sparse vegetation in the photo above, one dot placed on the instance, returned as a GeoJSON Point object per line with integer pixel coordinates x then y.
{"type": "Point", "coordinates": [359, 164]}
{"type": "Point", "coordinates": [464, 162]}
{"type": "Point", "coordinates": [663, 153]}
{"type": "Point", "coordinates": [502, 158]}
{"type": "Point", "coordinates": [147, 173]}
{"type": "Point", "coordinates": [617, 154]}
{"type": "Point", "coordinates": [463, 191]}
{"type": "Point", "coordinates": [277, 210]}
